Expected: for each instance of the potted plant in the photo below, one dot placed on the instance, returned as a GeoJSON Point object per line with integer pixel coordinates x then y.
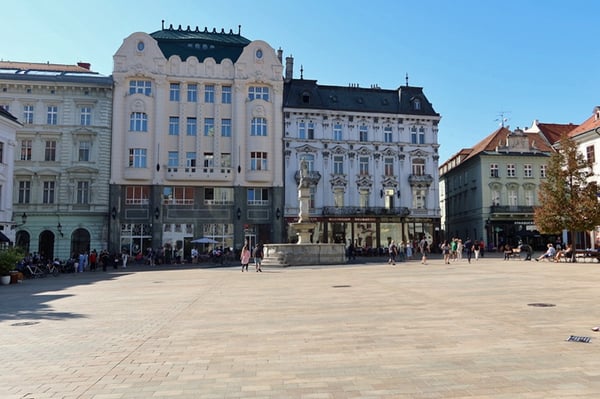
{"type": "Point", "coordinates": [9, 258]}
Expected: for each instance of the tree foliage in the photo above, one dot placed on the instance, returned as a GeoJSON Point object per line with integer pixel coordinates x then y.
{"type": "Point", "coordinates": [568, 199]}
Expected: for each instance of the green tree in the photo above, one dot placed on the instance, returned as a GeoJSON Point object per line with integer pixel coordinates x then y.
{"type": "Point", "coordinates": [568, 199]}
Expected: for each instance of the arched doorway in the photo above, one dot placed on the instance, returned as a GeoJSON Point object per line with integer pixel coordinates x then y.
{"type": "Point", "coordinates": [22, 240]}
{"type": "Point", "coordinates": [80, 241]}
{"type": "Point", "coordinates": [46, 245]}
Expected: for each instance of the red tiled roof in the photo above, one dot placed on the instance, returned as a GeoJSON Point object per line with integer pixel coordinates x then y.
{"type": "Point", "coordinates": [591, 123]}
{"type": "Point", "coordinates": [554, 131]}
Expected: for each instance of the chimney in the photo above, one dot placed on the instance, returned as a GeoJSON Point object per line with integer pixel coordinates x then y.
{"type": "Point", "coordinates": [289, 68]}
{"type": "Point", "coordinates": [85, 65]}
{"type": "Point", "coordinates": [280, 55]}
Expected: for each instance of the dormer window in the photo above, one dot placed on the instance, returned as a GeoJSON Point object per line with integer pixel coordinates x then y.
{"type": "Point", "coordinates": [305, 98]}
{"type": "Point", "coordinates": [417, 104]}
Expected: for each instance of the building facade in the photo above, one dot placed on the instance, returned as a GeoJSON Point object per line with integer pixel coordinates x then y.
{"type": "Point", "coordinates": [196, 142]}
{"type": "Point", "coordinates": [8, 133]}
{"type": "Point", "coordinates": [488, 192]}
{"type": "Point", "coordinates": [62, 158]}
{"type": "Point", "coordinates": [372, 160]}
{"type": "Point", "coordinates": [587, 137]}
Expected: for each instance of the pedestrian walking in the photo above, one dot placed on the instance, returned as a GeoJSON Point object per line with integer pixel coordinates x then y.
{"type": "Point", "coordinates": [245, 257]}
{"type": "Point", "coordinates": [446, 251]}
{"type": "Point", "coordinates": [258, 257]}
{"type": "Point", "coordinates": [424, 248]}
{"type": "Point", "coordinates": [392, 252]}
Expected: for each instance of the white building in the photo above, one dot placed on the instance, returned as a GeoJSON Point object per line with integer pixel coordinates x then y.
{"type": "Point", "coordinates": [62, 160]}
{"type": "Point", "coordinates": [196, 141]}
{"type": "Point", "coordinates": [373, 160]}
{"type": "Point", "coordinates": [8, 133]}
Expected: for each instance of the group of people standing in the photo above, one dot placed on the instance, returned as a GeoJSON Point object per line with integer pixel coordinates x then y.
{"type": "Point", "coordinates": [453, 249]}
{"type": "Point", "coordinates": [404, 251]}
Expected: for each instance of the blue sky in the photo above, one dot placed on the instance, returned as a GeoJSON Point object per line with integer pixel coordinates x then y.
{"type": "Point", "coordinates": [475, 59]}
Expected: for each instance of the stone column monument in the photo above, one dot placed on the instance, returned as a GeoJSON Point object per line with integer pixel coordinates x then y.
{"type": "Point", "coordinates": [304, 227]}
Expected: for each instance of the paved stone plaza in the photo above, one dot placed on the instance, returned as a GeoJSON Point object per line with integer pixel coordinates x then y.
{"type": "Point", "coordinates": [348, 331]}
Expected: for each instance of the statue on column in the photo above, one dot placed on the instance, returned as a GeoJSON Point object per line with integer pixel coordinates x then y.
{"type": "Point", "coordinates": [303, 192]}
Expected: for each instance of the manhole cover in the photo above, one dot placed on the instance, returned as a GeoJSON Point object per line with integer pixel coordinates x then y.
{"type": "Point", "coordinates": [541, 305]}
{"type": "Point", "coordinates": [341, 286]}
{"type": "Point", "coordinates": [577, 338]}
{"type": "Point", "coordinates": [25, 323]}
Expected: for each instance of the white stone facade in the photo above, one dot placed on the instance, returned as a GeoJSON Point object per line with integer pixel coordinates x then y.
{"type": "Point", "coordinates": [194, 134]}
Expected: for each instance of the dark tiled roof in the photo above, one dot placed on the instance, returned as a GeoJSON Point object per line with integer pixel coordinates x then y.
{"type": "Point", "coordinates": [201, 44]}
{"type": "Point", "coordinates": [5, 114]}
{"type": "Point", "coordinates": [51, 73]}
{"type": "Point", "coordinates": [301, 93]}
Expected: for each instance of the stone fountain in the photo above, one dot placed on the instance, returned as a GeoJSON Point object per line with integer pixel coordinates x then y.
{"type": "Point", "coordinates": [303, 252]}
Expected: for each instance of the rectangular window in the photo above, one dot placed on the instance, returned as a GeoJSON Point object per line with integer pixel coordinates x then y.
{"type": "Point", "coordinates": [338, 198]}
{"type": "Point", "coordinates": [226, 127]}
{"type": "Point", "coordinates": [84, 151]}
{"type": "Point", "coordinates": [387, 134]}
{"type": "Point", "coordinates": [137, 195]}
{"type": "Point", "coordinates": [138, 122]}
{"type": "Point", "coordinates": [28, 114]}
{"type": "Point", "coordinates": [590, 154]}
{"type": "Point", "coordinates": [258, 196]}
{"type": "Point", "coordinates": [178, 195]}
{"type": "Point", "coordinates": [418, 167]}
{"type": "Point", "coordinates": [209, 94]}
{"type": "Point", "coordinates": [258, 160]}
{"type": "Point", "coordinates": [192, 93]}
{"type": "Point", "coordinates": [173, 125]}
{"type": "Point", "coordinates": [24, 192]}
{"type": "Point", "coordinates": [494, 170]}
{"type": "Point", "coordinates": [310, 131]}
{"type": "Point", "coordinates": [363, 133]}
{"type": "Point", "coordinates": [50, 151]}
{"type": "Point", "coordinates": [83, 192]}
{"type": "Point", "coordinates": [173, 161]}
{"type": "Point", "coordinates": [225, 163]}
{"type": "Point", "coordinates": [337, 132]}
{"type": "Point", "coordinates": [226, 94]}
{"type": "Point", "coordinates": [174, 89]}
{"type": "Point", "coordinates": [495, 197]}
{"type": "Point", "coordinates": [258, 93]}
{"type": "Point", "coordinates": [512, 197]}
{"type": "Point", "coordinates": [209, 127]}
{"type": "Point", "coordinates": [302, 130]}
{"type": "Point", "coordinates": [192, 127]}
{"type": "Point", "coordinates": [218, 195]}
{"type": "Point", "coordinates": [413, 135]}
{"type": "Point", "coordinates": [259, 127]}
{"type": "Point", "coordinates": [1, 152]}
{"type": "Point", "coordinates": [140, 86]}
{"type": "Point", "coordinates": [543, 170]}
{"type": "Point", "coordinates": [388, 166]}
{"type": "Point", "coordinates": [363, 166]}
{"type": "Point", "coordinates": [86, 116]}
{"type": "Point", "coordinates": [529, 197]}
{"type": "Point", "coordinates": [421, 135]}
{"type": "Point", "coordinates": [137, 158]}
{"type": "Point", "coordinates": [26, 148]}
{"type": "Point", "coordinates": [190, 162]}
{"type": "Point", "coordinates": [527, 170]}
{"type": "Point", "coordinates": [363, 198]}
{"type": "Point", "coordinates": [48, 192]}
{"type": "Point", "coordinates": [52, 115]}
{"type": "Point", "coordinates": [419, 198]}
{"type": "Point", "coordinates": [510, 170]}
{"type": "Point", "coordinates": [209, 162]}
{"type": "Point", "coordinates": [338, 165]}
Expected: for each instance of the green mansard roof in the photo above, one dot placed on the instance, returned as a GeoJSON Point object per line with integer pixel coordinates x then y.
{"type": "Point", "coordinates": [201, 44]}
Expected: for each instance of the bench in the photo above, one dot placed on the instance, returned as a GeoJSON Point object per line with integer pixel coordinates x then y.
{"type": "Point", "coordinates": [587, 255]}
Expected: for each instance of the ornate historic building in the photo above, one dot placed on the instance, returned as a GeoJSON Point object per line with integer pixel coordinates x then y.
{"type": "Point", "coordinates": [62, 155]}
{"type": "Point", "coordinates": [196, 141]}
{"type": "Point", "coordinates": [372, 160]}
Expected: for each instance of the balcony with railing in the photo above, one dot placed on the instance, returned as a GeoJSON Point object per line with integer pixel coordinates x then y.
{"type": "Point", "coordinates": [514, 209]}
{"type": "Point", "coordinates": [365, 211]}
{"type": "Point", "coordinates": [420, 179]}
